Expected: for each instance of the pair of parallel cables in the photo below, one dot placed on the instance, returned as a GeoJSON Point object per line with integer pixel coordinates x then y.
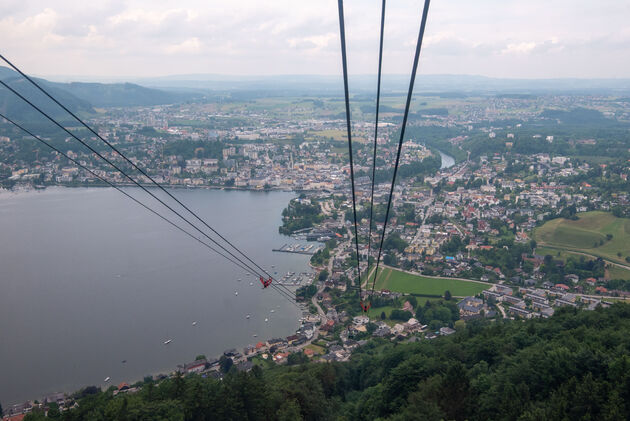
{"type": "Point", "coordinates": [228, 250]}
{"type": "Point", "coordinates": [365, 307]}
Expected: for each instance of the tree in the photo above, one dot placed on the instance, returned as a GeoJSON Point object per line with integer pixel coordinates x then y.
{"type": "Point", "coordinates": [53, 411]}
{"type": "Point", "coordinates": [297, 358]}
{"type": "Point", "coordinates": [289, 411]}
{"type": "Point", "coordinates": [400, 315]}
{"type": "Point", "coordinates": [200, 357]}
{"type": "Point", "coordinates": [323, 275]}
{"type": "Point", "coordinates": [447, 295]}
{"type": "Point", "coordinates": [383, 315]}
{"type": "Point", "coordinates": [394, 242]}
{"type": "Point", "coordinates": [225, 363]}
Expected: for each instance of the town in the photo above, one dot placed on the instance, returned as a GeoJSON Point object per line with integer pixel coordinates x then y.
{"type": "Point", "coordinates": [495, 211]}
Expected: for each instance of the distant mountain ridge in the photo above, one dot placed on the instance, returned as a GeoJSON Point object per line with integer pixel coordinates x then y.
{"type": "Point", "coordinates": [327, 84]}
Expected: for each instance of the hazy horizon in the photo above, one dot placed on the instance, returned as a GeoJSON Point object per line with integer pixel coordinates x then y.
{"type": "Point", "coordinates": [137, 39]}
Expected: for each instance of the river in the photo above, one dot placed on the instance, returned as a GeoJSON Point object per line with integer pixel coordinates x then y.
{"type": "Point", "coordinates": [447, 160]}
{"type": "Point", "coordinates": [89, 279]}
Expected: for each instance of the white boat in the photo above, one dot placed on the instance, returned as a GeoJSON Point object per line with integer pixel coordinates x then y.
{"type": "Point", "coordinates": [107, 379]}
{"type": "Point", "coordinates": [194, 323]}
{"type": "Point", "coordinates": [247, 317]}
{"type": "Point", "coordinates": [168, 341]}
{"type": "Point", "coordinates": [239, 279]}
{"type": "Point", "coordinates": [273, 311]}
{"type": "Point", "coordinates": [254, 335]}
{"type": "Point", "coordinates": [235, 292]}
{"type": "Point", "coordinates": [266, 320]}
{"type": "Point", "coordinates": [251, 284]}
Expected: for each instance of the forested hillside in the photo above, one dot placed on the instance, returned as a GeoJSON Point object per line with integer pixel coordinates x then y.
{"type": "Point", "coordinates": [575, 365]}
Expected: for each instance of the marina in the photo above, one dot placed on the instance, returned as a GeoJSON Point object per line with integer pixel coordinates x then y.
{"type": "Point", "coordinates": [296, 279]}
{"type": "Point", "coordinates": [308, 249]}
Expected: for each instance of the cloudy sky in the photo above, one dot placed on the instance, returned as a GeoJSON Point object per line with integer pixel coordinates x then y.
{"type": "Point", "coordinates": [500, 38]}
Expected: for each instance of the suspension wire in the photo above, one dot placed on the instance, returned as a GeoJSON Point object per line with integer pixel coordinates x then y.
{"type": "Point", "coordinates": [77, 163]}
{"type": "Point", "coordinates": [378, 102]}
{"type": "Point", "coordinates": [342, 33]}
{"type": "Point", "coordinates": [131, 179]}
{"type": "Point", "coordinates": [425, 12]}
{"type": "Point", "coordinates": [38, 86]}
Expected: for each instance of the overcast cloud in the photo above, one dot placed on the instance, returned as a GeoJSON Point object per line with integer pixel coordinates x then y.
{"type": "Point", "coordinates": [501, 38]}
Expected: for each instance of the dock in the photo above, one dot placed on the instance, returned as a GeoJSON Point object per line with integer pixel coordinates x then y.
{"type": "Point", "coordinates": [309, 249]}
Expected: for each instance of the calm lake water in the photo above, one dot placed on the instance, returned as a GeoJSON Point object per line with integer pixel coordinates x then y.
{"type": "Point", "coordinates": [89, 279]}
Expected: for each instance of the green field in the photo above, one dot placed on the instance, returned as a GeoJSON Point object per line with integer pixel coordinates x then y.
{"type": "Point", "coordinates": [615, 272]}
{"type": "Point", "coordinates": [556, 253]}
{"type": "Point", "coordinates": [587, 233]}
{"type": "Point", "coordinates": [395, 280]}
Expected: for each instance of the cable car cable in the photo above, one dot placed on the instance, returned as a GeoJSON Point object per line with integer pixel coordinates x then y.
{"type": "Point", "coordinates": [378, 102]}
{"type": "Point", "coordinates": [344, 61]}
{"type": "Point", "coordinates": [425, 12]}
{"type": "Point", "coordinates": [125, 174]}
{"type": "Point", "coordinates": [129, 196]}
{"type": "Point", "coordinates": [38, 86]}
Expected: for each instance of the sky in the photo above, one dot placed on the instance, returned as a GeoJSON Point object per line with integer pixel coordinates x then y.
{"type": "Point", "coordinates": [146, 38]}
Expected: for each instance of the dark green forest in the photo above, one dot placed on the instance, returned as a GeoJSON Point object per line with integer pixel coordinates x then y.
{"type": "Point", "coordinates": [573, 366]}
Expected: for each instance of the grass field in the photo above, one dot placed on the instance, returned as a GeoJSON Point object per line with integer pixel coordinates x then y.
{"type": "Point", "coordinates": [587, 233]}
{"type": "Point", "coordinates": [615, 272]}
{"type": "Point", "coordinates": [395, 280]}
{"type": "Point", "coordinates": [556, 253]}
{"type": "Point", "coordinates": [339, 135]}
{"type": "Point", "coordinates": [318, 350]}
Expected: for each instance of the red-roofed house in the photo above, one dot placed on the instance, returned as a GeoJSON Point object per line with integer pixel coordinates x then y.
{"type": "Point", "coordinates": [601, 290]}
{"type": "Point", "coordinates": [562, 287]}
{"type": "Point", "coordinates": [281, 357]}
{"type": "Point", "coordinates": [14, 418]}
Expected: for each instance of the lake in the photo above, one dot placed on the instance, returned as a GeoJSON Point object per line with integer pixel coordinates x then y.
{"type": "Point", "coordinates": [88, 279]}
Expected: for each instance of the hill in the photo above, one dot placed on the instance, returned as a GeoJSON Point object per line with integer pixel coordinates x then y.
{"type": "Point", "coordinates": [574, 365]}
{"type": "Point", "coordinates": [15, 108]}
{"type": "Point", "coordinates": [597, 233]}
{"type": "Point", "coordinates": [80, 96]}
{"type": "Point", "coordinates": [122, 94]}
